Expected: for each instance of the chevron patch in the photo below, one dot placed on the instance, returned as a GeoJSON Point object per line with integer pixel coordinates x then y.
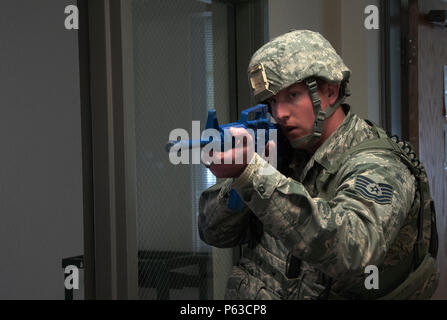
{"type": "Point", "coordinates": [379, 192]}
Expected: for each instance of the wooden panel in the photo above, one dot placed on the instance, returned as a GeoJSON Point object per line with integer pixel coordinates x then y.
{"type": "Point", "coordinates": [432, 58]}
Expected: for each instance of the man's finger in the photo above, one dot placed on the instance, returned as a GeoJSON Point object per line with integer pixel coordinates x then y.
{"type": "Point", "coordinates": [238, 131]}
{"type": "Point", "coordinates": [208, 158]}
{"type": "Point", "coordinates": [270, 150]}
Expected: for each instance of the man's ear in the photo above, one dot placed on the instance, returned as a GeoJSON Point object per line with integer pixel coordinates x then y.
{"type": "Point", "coordinates": [332, 91]}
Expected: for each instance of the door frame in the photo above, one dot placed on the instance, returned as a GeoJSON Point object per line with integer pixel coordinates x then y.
{"type": "Point", "coordinates": [108, 143]}
{"type": "Point", "coordinates": [406, 111]}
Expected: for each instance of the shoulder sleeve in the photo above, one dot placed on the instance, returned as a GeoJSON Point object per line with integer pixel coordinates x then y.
{"type": "Point", "coordinates": [355, 228]}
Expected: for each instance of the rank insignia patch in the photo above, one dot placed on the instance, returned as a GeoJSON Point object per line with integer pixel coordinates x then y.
{"type": "Point", "coordinates": [379, 192]}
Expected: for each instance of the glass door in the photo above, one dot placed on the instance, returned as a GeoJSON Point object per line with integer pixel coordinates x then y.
{"type": "Point", "coordinates": [181, 70]}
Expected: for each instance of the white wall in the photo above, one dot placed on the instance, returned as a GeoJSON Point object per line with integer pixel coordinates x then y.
{"type": "Point", "coordinates": [342, 23]}
{"type": "Point", "coordinates": [40, 138]}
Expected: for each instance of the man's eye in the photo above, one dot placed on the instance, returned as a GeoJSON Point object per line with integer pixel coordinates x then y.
{"type": "Point", "coordinates": [293, 94]}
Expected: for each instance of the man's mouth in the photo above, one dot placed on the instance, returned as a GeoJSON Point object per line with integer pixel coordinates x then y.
{"type": "Point", "coordinates": [289, 129]}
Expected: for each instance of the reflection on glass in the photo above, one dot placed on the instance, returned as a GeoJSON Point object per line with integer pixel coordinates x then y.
{"type": "Point", "coordinates": [181, 71]}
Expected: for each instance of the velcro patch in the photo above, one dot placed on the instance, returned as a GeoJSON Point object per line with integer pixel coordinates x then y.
{"type": "Point", "coordinates": [379, 192]}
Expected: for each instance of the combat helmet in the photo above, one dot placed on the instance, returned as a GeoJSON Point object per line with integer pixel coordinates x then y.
{"type": "Point", "coordinates": [299, 56]}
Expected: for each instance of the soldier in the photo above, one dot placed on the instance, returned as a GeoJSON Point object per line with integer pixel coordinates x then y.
{"type": "Point", "coordinates": [348, 197]}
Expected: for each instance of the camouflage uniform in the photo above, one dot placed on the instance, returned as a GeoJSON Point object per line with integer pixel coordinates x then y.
{"type": "Point", "coordinates": [312, 240]}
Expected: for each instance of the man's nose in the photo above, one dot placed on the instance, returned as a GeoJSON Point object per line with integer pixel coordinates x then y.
{"type": "Point", "coordinates": [282, 112]}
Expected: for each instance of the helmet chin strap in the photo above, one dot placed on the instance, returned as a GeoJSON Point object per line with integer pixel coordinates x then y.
{"type": "Point", "coordinates": [320, 115]}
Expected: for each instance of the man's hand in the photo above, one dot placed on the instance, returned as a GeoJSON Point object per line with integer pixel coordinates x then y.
{"type": "Point", "coordinates": [232, 162]}
{"type": "Point", "coordinates": [237, 158]}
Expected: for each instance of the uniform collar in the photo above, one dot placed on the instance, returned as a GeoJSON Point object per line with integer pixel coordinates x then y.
{"type": "Point", "coordinates": [336, 144]}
